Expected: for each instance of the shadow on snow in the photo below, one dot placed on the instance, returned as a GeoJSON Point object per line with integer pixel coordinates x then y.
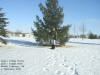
{"type": "Point", "coordinates": [22, 43]}
{"type": "Point", "coordinates": [84, 43]}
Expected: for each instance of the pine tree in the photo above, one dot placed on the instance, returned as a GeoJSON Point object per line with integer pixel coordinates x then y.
{"type": "Point", "coordinates": [92, 36]}
{"type": "Point", "coordinates": [3, 24]}
{"type": "Point", "coordinates": [50, 26]}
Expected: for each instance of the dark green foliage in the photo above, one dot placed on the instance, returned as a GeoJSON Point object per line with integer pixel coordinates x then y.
{"type": "Point", "coordinates": [3, 41]}
{"type": "Point", "coordinates": [62, 35]}
{"type": "Point", "coordinates": [49, 27]}
{"type": "Point", "coordinates": [3, 24]}
{"type": "Point", "coordinates": [98, 37]}
{"type": "Point", "coordinates": [92, 36]}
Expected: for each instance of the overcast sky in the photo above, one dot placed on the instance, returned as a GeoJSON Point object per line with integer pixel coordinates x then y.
{"type": "Point", "coordinates": [21, 14]}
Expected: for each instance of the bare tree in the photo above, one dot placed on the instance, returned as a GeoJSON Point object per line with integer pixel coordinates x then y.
{"type": "Point", "coordinates": [74, 31]}
{"type": "Point", "coordinates": [83, 30]}
{"type": "Point", "coordinates": [77, 32]}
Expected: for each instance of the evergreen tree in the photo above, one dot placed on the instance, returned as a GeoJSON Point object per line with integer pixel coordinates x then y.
{"type": "Point", "coordinates": [92, 36]}
{"type": "Point", "coordinates": [50, 26]}
{"type": "Point", "coordinates": [3, 24]}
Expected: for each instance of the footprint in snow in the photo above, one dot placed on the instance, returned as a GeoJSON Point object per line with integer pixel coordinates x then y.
{"type": "Point", "coordinates": [63, 73]}
{"type": "Point", "coordinates": [57, 72]}
{"type": "Point", "coordinates": [45, 69]}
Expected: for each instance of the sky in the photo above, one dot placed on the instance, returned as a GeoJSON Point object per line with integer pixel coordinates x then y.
{"type": "Point", "coordinates": [22, 13]}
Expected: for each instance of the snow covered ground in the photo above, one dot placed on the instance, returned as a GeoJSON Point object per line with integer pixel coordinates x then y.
{"type": "Point", "coordinates": [76, 59]}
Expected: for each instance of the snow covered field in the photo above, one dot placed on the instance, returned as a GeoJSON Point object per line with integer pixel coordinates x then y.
{"type": "Point", "coordinates": [78, 59]}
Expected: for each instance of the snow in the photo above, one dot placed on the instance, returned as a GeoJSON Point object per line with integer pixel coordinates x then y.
{"type": "Point", "coordinates": [79, 59]}
{"type": "Point", "coordinates": [97, 41]}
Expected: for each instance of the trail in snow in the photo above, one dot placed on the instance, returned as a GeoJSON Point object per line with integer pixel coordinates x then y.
{"type": "Point", "coordinates": [59, 67]}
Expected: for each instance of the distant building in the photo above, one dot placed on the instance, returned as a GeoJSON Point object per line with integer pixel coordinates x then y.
{"type": "Point", "coordinates": [11, 33]}
{"type": "Point", "coordinates": [19, 34]}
